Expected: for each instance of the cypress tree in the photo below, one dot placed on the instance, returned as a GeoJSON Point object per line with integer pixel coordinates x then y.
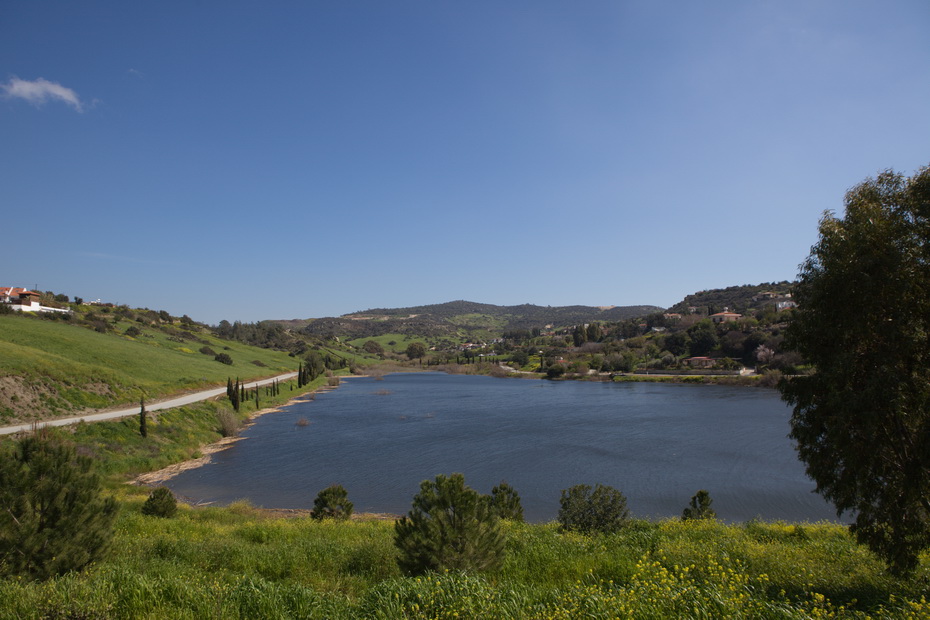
{"type": "Point", "coordinates": [234, 395]}
{"type": "Point", "coordinates": [143, 423]}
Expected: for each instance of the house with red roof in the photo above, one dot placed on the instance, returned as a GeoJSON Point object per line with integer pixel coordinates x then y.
{"type": "Point", "coordinates": [24, 300]}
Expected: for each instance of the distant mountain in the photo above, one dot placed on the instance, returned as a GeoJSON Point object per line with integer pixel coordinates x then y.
{"type": "Point", "coordinates": [463, 319]}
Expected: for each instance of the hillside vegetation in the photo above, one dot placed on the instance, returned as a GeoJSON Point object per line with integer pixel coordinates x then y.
{"type": "Point", "coordinates": [53, 368]}
{"type": "Point", "coordinates": [462, 321]}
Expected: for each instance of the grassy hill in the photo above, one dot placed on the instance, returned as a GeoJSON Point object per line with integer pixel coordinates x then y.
{"type": "Point", "coordinates": [53, 368]}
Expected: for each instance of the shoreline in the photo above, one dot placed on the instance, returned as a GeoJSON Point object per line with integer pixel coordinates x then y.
{"type": "Point", "coordinates": [153, 478]}
{"type": "Point", "coordinates": [164, 474]}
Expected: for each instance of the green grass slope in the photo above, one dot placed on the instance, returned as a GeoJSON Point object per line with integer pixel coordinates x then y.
{"type": "Point", "coordinates": [52, 368]}
{"type": "Point", "coordinates": [233, 563]}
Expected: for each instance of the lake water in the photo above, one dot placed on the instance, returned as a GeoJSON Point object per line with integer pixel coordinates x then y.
{"type": "Point", "coordinates": [657, 443]}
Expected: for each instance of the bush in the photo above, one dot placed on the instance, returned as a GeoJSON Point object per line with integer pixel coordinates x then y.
{"type": "Point", "coordinates": [450, 526]}
{"type": "Point", "coordinates": [207, 350]}
{"type": "Point", "coordinates": [505, 502]}
{"type": "Point", "coordinates": [332, 503]}
{"type": "Point", "coordinates": [161, 503]}
{"type": "Point", "coordinates": [603, 510]}
{"type": "Point", "coordinates": [133, 332]}
{"type": "Point", "coordinates": [224, 358]}
{"type": "Point", "coordinates": [53, 518]}
{"type": "Point", "coordinates": [699, 507]}
{"type": "Point", "coordinates": [229, 423]}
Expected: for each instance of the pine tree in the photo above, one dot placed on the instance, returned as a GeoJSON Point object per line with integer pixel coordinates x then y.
{"type": "Point", "coordinates": [505, 501]}
{"type": "Point", "coordinates": [161, 503]}
{"type": "Point", "coordinates": [699, 508]}
{"type": "Point", "coordinates": [332, 503]}
{"type": "Point", "coordinates": [586, 511]}
{"type": "Point", "coordinates": [450, 526]}
{"type": "Point", "coordinates": [53, 518]}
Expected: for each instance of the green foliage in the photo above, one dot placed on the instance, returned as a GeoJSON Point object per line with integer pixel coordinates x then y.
{"type": "Point", "coordinates": [53, 518]}
{"type": "Point", "coordinates": [224, 358]}
{"type": "Point", "coordinates": [505, 502]}
{"type": "Point", "coordinates": [143, 419]}
{"type": "Point", "coordinates": [416, 350]}
{"type": "Point", "coordinates": [450, 527]}
{"type": "Point", "coordinates": [235, 562]}
{"type": "Point", "coordinates": [703, 338]}
{"type": "Point", "coordinates": [862, 421]}
{"type": "Point", "coordinates": [332, 503]}
{"type": "Point", "coordinates": [699, 508]}
{"type": "Point", "coordinates": [80, 368]}
{"type": "Point", "coordinates": [161, 503]}
{"type": "Point", "coordinates": [373, 347]}
{"type": "Point", "coordinates": [602, 510]}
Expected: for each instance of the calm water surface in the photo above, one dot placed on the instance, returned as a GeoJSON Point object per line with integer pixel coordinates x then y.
{"type": "Point", "coordinates": [657, 443]}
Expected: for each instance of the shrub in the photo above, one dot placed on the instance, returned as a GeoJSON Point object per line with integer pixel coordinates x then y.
{"type": "Point", "coordinates": [601, 510]}
{"type": "Point", "coordinates": [161, 503]}
{"type": "Point", "coordinates": [450, 526]}
{"type": "Point", "coordinates": [207, 350]}
{"type": "Point", "coordinates": [224, 358]}
{"type": "Point", "coordinates": [53, 518]}
{"type": "Point", "coordinates": [332, 503]}
{"type": "Point", "coordinates": [505, 502]}
{"type": "Point", "coordinates": [699, 507]}
{"type": "Point", "coordinates": [133, 332]}
{"type": "Point", "coordinates": [229, 423]}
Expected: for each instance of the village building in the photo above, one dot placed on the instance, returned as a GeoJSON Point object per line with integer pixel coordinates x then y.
{"type": "Point", "coordinates": [725, 317]}
{"type": "Point", "coordinates": [24, 300]}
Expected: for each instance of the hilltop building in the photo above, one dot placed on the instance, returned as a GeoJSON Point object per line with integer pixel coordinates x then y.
{"type": "Point", "coordinates": [24, 300]}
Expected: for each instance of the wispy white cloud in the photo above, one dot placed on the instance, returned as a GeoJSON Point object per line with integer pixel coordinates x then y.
{"type": "Point", "coordinates": [40, 91]}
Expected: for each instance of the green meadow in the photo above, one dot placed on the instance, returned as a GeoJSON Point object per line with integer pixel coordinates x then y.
{"type": "Point", "coordinates": [234, 562]}
{"type": "Point", "coordinates": [66, 368]}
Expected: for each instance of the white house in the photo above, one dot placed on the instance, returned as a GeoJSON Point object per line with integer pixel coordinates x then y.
{"type": "Point", "coordinates": [25, 300]}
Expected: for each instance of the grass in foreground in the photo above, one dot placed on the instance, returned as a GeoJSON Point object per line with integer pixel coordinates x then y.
{"type": "Point", "coordinates": [234, 563]}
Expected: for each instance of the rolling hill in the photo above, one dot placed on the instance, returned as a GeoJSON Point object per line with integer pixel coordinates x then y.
{"type": "Point", "coordinates": [462, 320]}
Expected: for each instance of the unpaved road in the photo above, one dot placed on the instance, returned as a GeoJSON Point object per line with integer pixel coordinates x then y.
{"type": "Point", "coordinates": [180, 401]}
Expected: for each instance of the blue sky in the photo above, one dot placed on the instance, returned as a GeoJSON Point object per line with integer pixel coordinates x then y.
{"type": "Point", "coordinates": [246, 161]}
